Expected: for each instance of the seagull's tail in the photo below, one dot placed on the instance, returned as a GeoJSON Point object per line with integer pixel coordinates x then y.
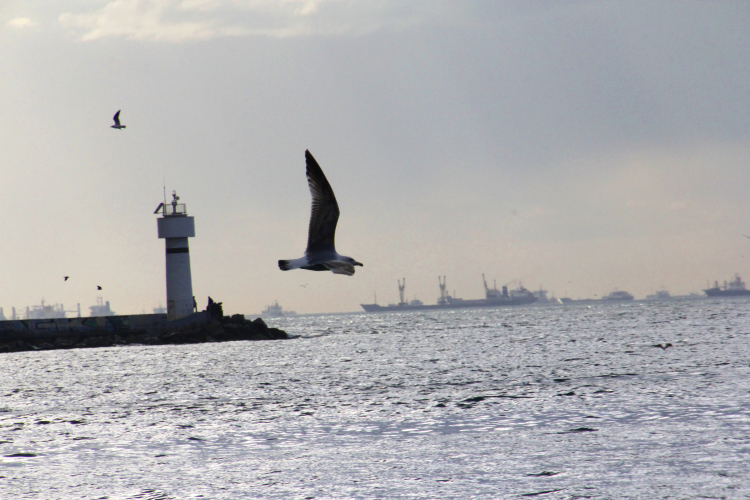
{"type": "Point", "coordinates": [286, 265]}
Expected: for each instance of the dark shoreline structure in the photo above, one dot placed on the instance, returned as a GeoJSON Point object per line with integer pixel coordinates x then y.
{"type": "Point", "coordinates": [141, 329]}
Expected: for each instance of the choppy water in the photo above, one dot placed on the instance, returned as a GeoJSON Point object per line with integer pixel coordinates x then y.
{"type": "Point", "coordinates": [562, 402]}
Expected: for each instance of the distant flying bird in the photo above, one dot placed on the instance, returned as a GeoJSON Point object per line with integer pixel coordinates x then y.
{"type": "Point", "coordinates": [117, 121]}
{"type": "Point", "coordinates": [304, 286]}
{"type": "Point", "coordinates": [98, 287]}
{"type": "Point", "coordinates": [66, 278]}
{"type": "Point", "coordinates": [321, 252]}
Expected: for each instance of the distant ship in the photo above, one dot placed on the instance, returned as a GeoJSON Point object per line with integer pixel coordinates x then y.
{"type": "Point", "coordinates": [43, 311]}
{"type": "Point", "coordinates": [732, 289]}
{"type": "Point", "coordinates": [101, 308]}
{"type": "Point", "coordinates": [617, 296]}
{"type": "Point", "coordinates": [276, 310]}
{"type": "Point", "coordinates": [544, 299]}
{"type": "Point", "coordinates": [659, 295]}
{"type": "Point", "coordinates": [494, 298]}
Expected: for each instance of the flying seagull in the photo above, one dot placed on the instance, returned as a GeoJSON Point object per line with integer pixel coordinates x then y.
{"type": "Point", "coordinates": [117, 121]}
{"type": "Point", "coordinates": [321, 252]}
{"type": "Point", "coordinates": [66, 278]}
{"type": "Point", "coordinates": [98, 287]}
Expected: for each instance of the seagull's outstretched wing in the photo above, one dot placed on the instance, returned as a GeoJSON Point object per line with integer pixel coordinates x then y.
{"type": "Point", "coordinates": [340, 267]}
{"type": "Point", "coordinates": [325, 210]}
{"type": "Point", "coordinates": [117, 117]}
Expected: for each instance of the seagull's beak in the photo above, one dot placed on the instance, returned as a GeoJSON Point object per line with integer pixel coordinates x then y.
{"type": "Point", "coordinates": [359, 264]}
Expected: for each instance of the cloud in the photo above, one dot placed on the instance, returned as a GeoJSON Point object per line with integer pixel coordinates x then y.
{"type": "Point", "coordinates": [185, 20]}
{"type": "Point", "coordinates": [140, 19]}
{"type": "Point", "coordinates": [20, 22]}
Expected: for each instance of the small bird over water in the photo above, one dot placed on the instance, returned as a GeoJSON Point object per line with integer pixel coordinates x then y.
{"type": "Point", "coordinates": [117, 121]}
{"type": "Point", "coordinates": [321, 252]}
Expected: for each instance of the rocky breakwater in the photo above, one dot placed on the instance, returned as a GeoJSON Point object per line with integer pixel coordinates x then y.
{"type": "Point", "coordinates": [219, 329]}
{"type": "Point", "coordinates": [228, 328]}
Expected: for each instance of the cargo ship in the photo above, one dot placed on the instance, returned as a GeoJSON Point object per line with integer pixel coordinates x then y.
{"type": "Point", "coordinates": [275, 310]}
{"type": "Point", "coordinates": [493, 298]}
{"type": "Point", "coordinates": [618, 296]}
{"type": "Point", "coordinates": [732, 289]}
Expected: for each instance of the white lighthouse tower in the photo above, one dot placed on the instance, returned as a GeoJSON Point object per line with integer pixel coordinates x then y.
{"type": "Point", "coordinates": [176, 227]}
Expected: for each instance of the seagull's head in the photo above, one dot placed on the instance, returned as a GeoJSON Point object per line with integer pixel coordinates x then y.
{"type": "Point", "coordinates": [354, 262]}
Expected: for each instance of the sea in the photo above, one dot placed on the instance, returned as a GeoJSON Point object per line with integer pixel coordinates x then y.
{"type": "Point", "coordinates": [641, 400]}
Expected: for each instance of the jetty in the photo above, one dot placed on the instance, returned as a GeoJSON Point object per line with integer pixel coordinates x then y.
{"type": "Point", "coordinates": [138, 329]}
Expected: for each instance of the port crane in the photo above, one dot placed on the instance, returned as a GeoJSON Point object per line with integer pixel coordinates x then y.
{"type": "Point", "coordinates": [442, 291]}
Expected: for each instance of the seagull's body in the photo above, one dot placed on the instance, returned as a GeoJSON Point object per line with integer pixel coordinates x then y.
{"type": "Point", "coordinates": [117, 121]}
{"type": "Point", "coordinates": [321, 254]}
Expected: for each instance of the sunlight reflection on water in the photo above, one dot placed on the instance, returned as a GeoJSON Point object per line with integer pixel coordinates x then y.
{"type": "Point", "coordinates": [449, 404]}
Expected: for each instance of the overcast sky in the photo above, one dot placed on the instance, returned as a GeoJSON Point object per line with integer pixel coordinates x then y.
{"type": "Point", "coordinates": [584, 146]}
